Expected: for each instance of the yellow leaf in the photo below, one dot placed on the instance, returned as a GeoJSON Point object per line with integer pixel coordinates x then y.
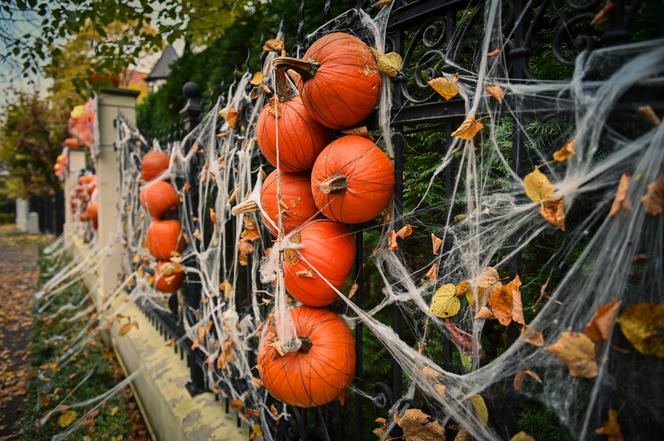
{"type": "Point", "coordinates": [418, 426]}
{"type": "Point", "coordinates": [643, 326]}
{"type": "Point", "coordinates": [230, 115]}
{"type": "Point", "coordinates": [390, 64]}
{"type": "Point", "coordinates": [257, 78]}
{"type": "Point", "coordinates": [468, 129]}
{"type": "Point", "coordinates": [577, 351]}
{"type": "Point", "coordinates": [436, 243]}
{"type": "Point", "coordinates": [124, 329]}
{"type": "Point", "coordinates": [496, 92]}
{"type": "Point", "coordinates": [522, 436]}
{"type": "Point", "coordinates": [480, 409]}
{"type": "Point", "coordinates": [553, 211]}
{"type": "Point", "coordinates": [611, 428]}
{"type": "Point", "coordinates": [444, 302]}
{"type": "Point", "coordinates": [601, 324]}
{"type": "Point", "coordinates": [565, 152]}
{"type": "Point", "coordinates": [115, 410]}
{"type": "Point", "coordinates": [521, 375]}
{"type": "Point", "coordinates": [447, 88]}
{"type": "Point", "coordinates": [653, 201]}
{"type": "Point", "coordinates": [537, 186]}
{"type": "Point", "coordinates": [67, 418]}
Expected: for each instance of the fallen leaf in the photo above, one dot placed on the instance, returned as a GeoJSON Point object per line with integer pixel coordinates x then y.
{"type": "Point", "coordinates": [565, 152]}
{"type": "Point", "coordinates": [480, 409]}
{"type": "Point", "coordinates": [115, 410]}
{"type": "Point", "coordinates": [418, 426]}
{"type": "Point", "coordinates": [602, 15]}
{"type": "Point", "coordinates": [496, 51]}
{"type": "Point", "coordinates": [643, 326]}
{"type": "Point", "coordinates": [577, 351]}
{"type": "Point", "coordinates": [648, 113]}
{"type": "Point", "coordinates": [553, 211]}
{"type": "Point", "coordinates": [522, 436]}
{"type": "Point", "coordinates": [521, 375]}
{"type": "Point", "coordinates": [230, 114]}
{"type": "Point", "coordinates": [531, 336]}
{"type": "Point", "coordinates": [432, 274]}
{"type": "Point", "coordinates": [611, 428]}
{"type": "Point", "coordinates": [620, 201]}
{"type": "Point", "coordinates": [447, 88]}
{"type": "Point", "coordinates": [444, 302]}
{"type": "Point", "coordinates": [67, 418]}
{"type": "Point", "coordinates": [405, 231]}
{"type": "Point", "coordinates": [653, 201]}
{"type": "Point", "coordinates": [602, 322]}
{"type": "Point", "coordinates": [436, 244]}
{"type": "Point", "coordinates": [496, 92]}
{"type": "Point", "coordinates": [390, 64]}
{"type": "Point", "coordinates": [274, 45]}
{"type": "Point", "coordinates": [537, 186]}
{"type": "Point", "coordinates": [125, 328]}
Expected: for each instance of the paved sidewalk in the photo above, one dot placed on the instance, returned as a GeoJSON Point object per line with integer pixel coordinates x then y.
{"type": "Point", "coordinates": [18, 279]}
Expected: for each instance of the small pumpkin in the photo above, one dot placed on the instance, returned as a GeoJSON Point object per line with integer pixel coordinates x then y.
{"type": "Point", "coordinates": [86, 179]}
{"type": "Point", "coordinates": [352, 180]}
{"type": "Point", "coordinates": [91, 212]}
{"type": "Point", "coordinates": [72, 143]}
{"type": "Point", "coordinates": [341, 83]}
{"type": "Point", "coordinates": [159, 198]}
{"type": "Point", "coordinates": [154, 163]}
{"type": "Point", "coordinates": [301, 138]}
{"type": "Point", "coordinates": [168, 276]}
{"type": "Point", "coordinates": [330, 248]}
{"type": "Point", "coordinates": [297, 203]}
{"type": "Point", "coordinates": [320, 371]}
{"type": "Point", "coordinates": [91, 187]}
{"type": "Point", "coordinates": [163, 238]}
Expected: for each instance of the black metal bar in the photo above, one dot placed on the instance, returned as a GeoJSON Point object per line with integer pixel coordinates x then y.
{"type": "Point", "coordinates": [359, 301]}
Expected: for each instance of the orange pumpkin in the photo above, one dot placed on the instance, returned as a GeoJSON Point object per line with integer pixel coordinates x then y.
{"type": "Point", "coordinates": [163, 238]}
{"type": "Point", "coordinates": [341, 83]}
{"type": "Point", "coordinates": [72, 143]}
{"type": "Point", "coordinates": [86, 179]}
{"type": "Point", "coordinates": [297, 205]}
{"type": "Point", "coordinates": [301, 138]}
{"type": "Point", "coordinates": [352, 180]}
{"type": "Point", "coordinates": [330, 248]}
{"type": "Point", "coordinates": [91, 212]}
{"type": "Point", "coordinates": [320, 371]}
{"type": "Point", "coordinates": [159, 198]}
{"type": "Point", "coordinates": [91, 187]}
{"type": "Point", "coordinates": [168, 277]}
{"type": "Point", "coordinates": [154, 164]}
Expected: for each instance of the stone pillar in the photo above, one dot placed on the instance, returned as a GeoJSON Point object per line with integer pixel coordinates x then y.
{"type": "Point", "coordinates": [22, 209]}
{"type": "Point", "coordinates": [112, 103]}
{"type": "Point", "coordinates": [76, 164]}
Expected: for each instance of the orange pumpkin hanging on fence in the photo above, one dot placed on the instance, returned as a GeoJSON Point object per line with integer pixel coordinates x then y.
{"type": "Point", "coordinates": [154, 164]}
{"type": "Point", "coordinates": [72, 143]}
{"type": "Point", "coordinates": [352, 180]}
{"type": "Point", "coordinates": [330, 248]}
{"type": "Point", "coordinates": [320, 371]}
{"type": "Point", "coordinates": [91, 212]}
{"type": "Point", "coordinates": [168, 276]}
{"type": "Point", "coordinates": [341, 83]}
{"type": "Point", "coordinates": [301, 138]}
{"type": "Point", "coordinates": [159, 198]}
{"type": "Point", "coordinates": [163, 238]}
{"type": "Point", "coordinates": [297, 205]}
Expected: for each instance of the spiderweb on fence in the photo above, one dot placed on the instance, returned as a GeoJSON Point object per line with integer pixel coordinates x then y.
{"type": "Point", "coordinates": [489, 220]}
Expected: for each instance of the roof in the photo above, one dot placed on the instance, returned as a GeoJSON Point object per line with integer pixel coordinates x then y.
{"type": "Point", "coordinates": [162, 67]}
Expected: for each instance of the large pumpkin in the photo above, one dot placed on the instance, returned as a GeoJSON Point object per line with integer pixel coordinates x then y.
{"type": "Point", "coordinates": [297, 203]}
{"type": "Point", "coordinates": [163, 238]}
{"type": "Point", "coordinates": [341, 83]}
{"type": "Point", "coordinates": [154, 164]}
{"type": "Point", "coordinates": [330, 248]}
{"type": "Point", "coordinates": [301, 138]}
{"type": "Point", "coordinates": [159, 198]}
{"type": "Point", "coordinates": [352, 180]}
{"type": "Point", "coordinates": [168, 276]}
{"type": "Point", "coordinates": [320, 371]}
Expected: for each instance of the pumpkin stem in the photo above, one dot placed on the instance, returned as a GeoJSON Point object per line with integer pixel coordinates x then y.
{"type": "Point", "coordinates": [306, 68]}
{"type": "Point", "coordinates": [284, 90]}
{"type": "Point", "coordinates": [334, 184]}
{"type": "Point", "coordinates": [306, 346]}
{"type": "Point", "coordinates": [248, 206]}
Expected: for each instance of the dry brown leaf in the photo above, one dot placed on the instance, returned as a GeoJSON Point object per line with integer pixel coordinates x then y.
{"type": "Point", "coordinates": [611, 428]}
{"type": "Point", "coordinates": [213, 215]}
{"type": "Point", "coordinates": [432, 274]}
{"type": "Point", "coordinates": [274, 45]}
{"type": "Point", "coordinates": [381, 430]}
{"type": "Point", "coordinates": [521, 375]}
{"type": "Point", "coordinates": [463, 435]}
{"type": "Point", "coordinates": [362, 131]}
{"type": "Point", "coordinates": [648, 113]}
{"type": "Point", "coordinates": [353, 290]}
{"type": "Point", "coordinates": [531, 336]}
{"type": "Point", "coordinates": [621, 201]}
{"type": "Point", "coordinates": [257, 78]}
{"type": "Point", "coordinates": [577, 351]}
{"type": "Point", "coordinates": [483, 285]}
{"type": "Point", "coordinates": [392, 241]}
{"type": "Point", "coordinates": [390, 64]}
{"type": "Point", "coordinates": [381, 4]}
{"type": "Point", "coordinates": [226, 288]}
{"type": "Point", "coordinates": [553, 211]}
{"type": "Point", "coordinates": [501, 305]}
{"type": "Point", "coordinates": [517, 306]}
{"type": "Point", "coordinates": [602, 15]}
{"type": "Point", "coordinates": [643, 326]}
{"type": "Point", "coordinates": [306, 273]}
{"type": "Point", "coordinates": [462, 288]}
{"type": "Point", "coordinates": [468, 129]}
{"type": "Point", "coordinates": [230, 114]}
{"type": "Point", "coordinates": [125, 328]}
{"type": "Point", "coordinates": [480, 408]}
{"type": "Point", "coordinates": [418, 426]}
{"type": "Point", "coordinates": [653, 201]}
{"type": "Point", "coordinates": [496, 51]}
{"type": "Point", "coordinates": [565, 152]}
{"type": "Point", "coordinates": [405, 231]}
{"type": "Point", "coordinates": [484, 314]}
{"type": "Point", "coordinates": [496, 92]}
{"type": "Point", "coordinates": [537, 186]}
{"type": "Point", "coordinates": [201, 333]}
{"type": "Point", "coordinates": [447, 88]}
{"type": "Point", "coordinates": [436, 244]}
{"type": "Point", "coordinates": [602, 322]}
{"type": "Point", "coordinates": [522, 436]}
{"type": "Point", "coordinates": [245, 249]}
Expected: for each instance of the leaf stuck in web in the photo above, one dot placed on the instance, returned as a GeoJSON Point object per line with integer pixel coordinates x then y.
{"type": "Point", "coordinates": [480, 408]}
{"type": "Point", "coordinates": [602, 15]}
{"type": "Point", "coordinates": [390, 64]}
{"type": "Point", "coordinates": [521, 376]}
{"type": "Point", "coordinates": [522, 436]}
{"type": "Point", "coordinates": [230, 114]}
{"type": "Point", "coordinates": [643, 326]}
{"type": "Point", "coordinates": [447, 88]}
{"type": "Point", "coordinates": [444, 302]}
{"type": "Point", "coordinates": [621, 202]}
{"type": "Point", "coordinates": [496, 92]}
{"type": "Point", "coordinates": [611, 428]}
{"type": "Point", "coordinates": [653, 201]}
{"type": "Point", "coordinates": [577, 351]}
{"type": "Point", "coordinates": [418, 426]}
{"type": "Point", "coordinates": [468, 129]}
{"type": "Point", "coordinates": [553, 211]}
{"type": "Point", "coordinates": [537, 186]}
{"type": "Point", "coordinates": [67, 418]}
{"type": "Point", "coordinates": [565, 152]}
{"type": "Point", "coordinates": [602, 322]}
{"type": "Point", "coordinates": [436, 244]}
{"type": "Point", "coordinates": [257, 78]}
